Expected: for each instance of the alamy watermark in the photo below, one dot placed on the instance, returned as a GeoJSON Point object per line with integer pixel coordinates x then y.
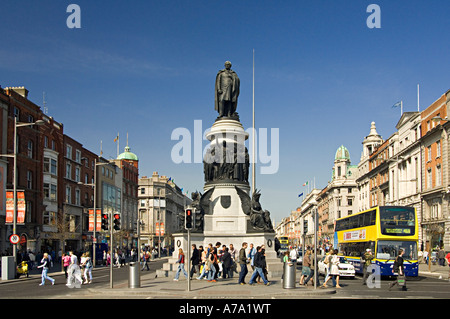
{"type": "Point", "coordinates": [191, 147]}
{"type": "Point", "coordinates": [74, 19]}
{"type": "Point", "coordinates": [374, 19]}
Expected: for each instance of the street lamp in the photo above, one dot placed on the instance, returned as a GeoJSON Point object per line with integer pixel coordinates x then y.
{"type": "Point", "coordinates": [14, 156]}
{"type": "Point", "coordinates": [95, 208]}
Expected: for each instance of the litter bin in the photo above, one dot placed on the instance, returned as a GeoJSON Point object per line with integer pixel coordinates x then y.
{"type": "Point", "coordinates": [134, 281]}
{"type": "Point", "coordinates": [289, 275]}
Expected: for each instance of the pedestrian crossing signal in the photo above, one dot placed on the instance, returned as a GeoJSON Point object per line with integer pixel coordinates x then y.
{"type": "Point", "coordinates": [188, 218]}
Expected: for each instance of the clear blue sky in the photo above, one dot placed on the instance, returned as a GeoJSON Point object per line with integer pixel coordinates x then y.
{"type": "Point", "coordinates": [148, 67]}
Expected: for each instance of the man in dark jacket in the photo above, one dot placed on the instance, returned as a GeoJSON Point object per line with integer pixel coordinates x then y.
{"type": "Point", "coordinates": [243, 264]}
{"type": "Point", "coordinates": [195, 261]}
{"type": "Point", "coordinates": [260, 264]}
{"type": "Point", "coordinates": [226, 263]}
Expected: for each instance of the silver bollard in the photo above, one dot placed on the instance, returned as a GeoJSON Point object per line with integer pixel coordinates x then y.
{"type": "Point", "coordinates": [289, 275]}
{"type": "Point", "coordinates": [135, 275]}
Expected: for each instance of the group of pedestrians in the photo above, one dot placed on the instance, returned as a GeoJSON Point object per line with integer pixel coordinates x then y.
{"type": "Point", "coordinates": [256, 258]}
{"type": "Point", "coordinates": [72, 269]}
{"type": "Point", "coordinates": [209, 263]}
{"type": "Point", "coordinates": [221, 261]}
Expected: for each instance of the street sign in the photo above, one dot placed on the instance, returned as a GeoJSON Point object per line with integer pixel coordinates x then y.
{"type": "Point", "coordinates": [14, 239]}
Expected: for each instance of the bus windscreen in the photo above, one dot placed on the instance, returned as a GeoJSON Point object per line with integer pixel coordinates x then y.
{"type": "Point", "coordinates": [397, 221]}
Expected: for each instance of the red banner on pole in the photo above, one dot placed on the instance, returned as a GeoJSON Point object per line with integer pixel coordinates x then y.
{"type": "Point", "coordinates": [91, 219]}
{"type": "Point", "coordinates": [99, 219]}
{"type": "Point", "coordinates": [9, 207]}
{"type": "Point", "coordinates": [157, 229]}
{"type": "Point", "coordinates": [21, 208]}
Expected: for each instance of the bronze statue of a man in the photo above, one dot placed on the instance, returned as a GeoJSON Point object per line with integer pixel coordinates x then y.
{"type": "Point", "coordinates": [226, 91]}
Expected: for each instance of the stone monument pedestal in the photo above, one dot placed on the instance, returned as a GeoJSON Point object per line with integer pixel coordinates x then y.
{"type": "Point", "coordinates": [230, 215]}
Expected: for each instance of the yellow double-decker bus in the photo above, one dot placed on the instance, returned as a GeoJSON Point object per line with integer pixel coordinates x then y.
{"type": "Point", "coordinates": [284, 243]}
{"type": "Point", "coordinates": [383, 229]}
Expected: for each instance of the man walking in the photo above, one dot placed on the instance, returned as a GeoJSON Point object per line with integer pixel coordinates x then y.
{"type": "Point", "coordinates": [260, 264]}
{"type": "Point", "coordinates": [146, 260]}
{"type": "Point", "coordinates": [195, 261]}
{"type": "Point", "coordinates": [243, 263]}
{"type": "Point", "coordinates": [367, 260]}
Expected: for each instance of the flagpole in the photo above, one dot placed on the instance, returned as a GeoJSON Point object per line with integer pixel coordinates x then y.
{"type": "Point", "coordinates": [401, 107]}
{"type": "Point", "coordinates": [418, 98]}
{"type": "Point", "coordinates": [254, 130]}
{"type": "Point", "coordinates": [118, 144]}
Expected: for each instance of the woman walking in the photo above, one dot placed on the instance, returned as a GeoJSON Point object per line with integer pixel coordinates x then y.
{"type": "Point", "coordinates": [306, 267]}
{"type": "Point", "coordinates": [66, 263]}
{"type": "Point", "coordinates": [180, 262]}
{"type": "Point", "coordinates": [87, 268]}
{"type": "Point", "coordinates": [334, 269]}
{"type": "Point", "coordinates": [45, 266]}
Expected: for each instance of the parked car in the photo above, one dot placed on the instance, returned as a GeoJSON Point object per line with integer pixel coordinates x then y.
{"type": "Point", "coordinates": [345, 268]}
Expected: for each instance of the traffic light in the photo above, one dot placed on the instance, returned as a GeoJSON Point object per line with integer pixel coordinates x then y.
{"type": "Point", "coordinates": [189, 218]}
{"type": "Point", "coordinates": [105, 224]}
{"type": "Point", "coordinates": [117, 221]}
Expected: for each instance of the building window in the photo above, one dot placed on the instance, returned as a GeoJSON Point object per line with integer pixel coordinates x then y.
{"type": "Point", "coordinates": [69, 151]}
{"type": "Point", "coordinates": [429, 153]}
{"type": "Point", "coordinates": [438, 176]}
{"type": "Point", "coordinates": [77, 197]}
{"type": "Point", "coordinates": [69, 171]}
{"type": "Point", "coordinates": [434, 209]}
{"type": "Point", "coordinates": [29, 209]}
{"type": "Point", "coordinates": [68, 195]}
{"type": "Point", "coordinates": [429, 182]}
{"type": "Point", "coordinates": [53, 192]}
{"type": "Point", "coordinates": [46, 190]}
{"type": "Point", "coordinates": [78, 156]}
{"type": "Point", "coordinates": [438, 148]}
{"type": "Point", "coordinates": [30, 149]}
{"type": "Point", "coordinates": [53, 167]}
{"type": "Point", "coordinates": [77, 174]}
{"type": "Point", "coordinates": [46, 165]}
{"type": "Point", "coordinates": [49, 218]}
{"type": "Point", "coordinates": [29, 179]}
{"type": "Point", "coordinates": [46, 141]}
{"type": "Point", "coordinates": [142, 190]}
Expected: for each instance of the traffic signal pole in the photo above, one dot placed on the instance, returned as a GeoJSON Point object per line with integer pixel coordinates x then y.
{"type": "Point", "coordinates": [189, 221]}
{"type": "Point", "coordinates": [112, 253]}
{"type": "Point", "coordinates": [189, 261]}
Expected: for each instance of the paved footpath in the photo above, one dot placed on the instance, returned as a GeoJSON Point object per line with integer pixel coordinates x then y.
{"type": "Point", "coordinates": [166, 287]}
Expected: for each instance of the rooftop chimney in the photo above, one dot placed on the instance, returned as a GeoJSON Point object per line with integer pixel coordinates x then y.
{"type": "Point", "coordinates": [21, 90]}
